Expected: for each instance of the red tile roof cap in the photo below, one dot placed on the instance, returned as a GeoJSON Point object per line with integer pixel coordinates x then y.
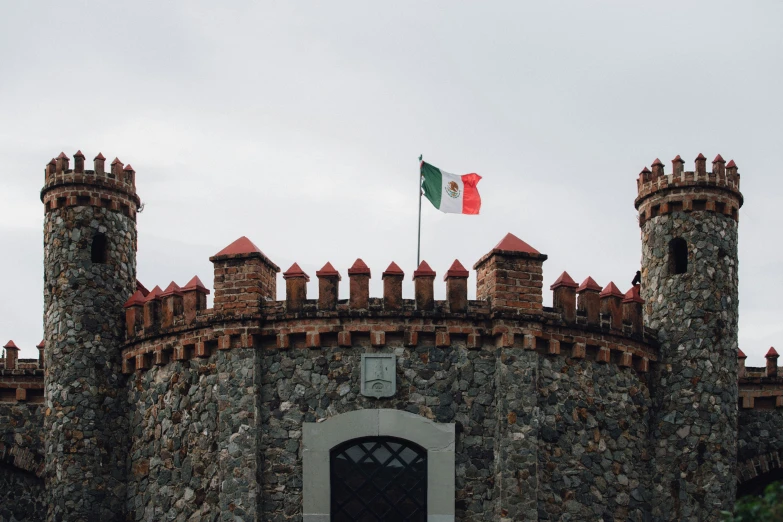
{"type": "Point", "coordinates": [78, 154]}
{"type": "Point", "coordinates": [154, 294]}
{"type": "Point", "coordinates": [741, 354]}
{"type": "Point", "coordinates": [678, 158]}
{"type": "Point", "coordinates": [53, 162]}
{"type": "Point", "coordinates": [645, 170]}
{"type": "Point", "coordinates": [10, 345]}
{"type": "Point", "coordinates": [564, 280]}
{"type": "Point", "coordinates": [41, 344]}
{"type": "Point", "coordinates": [513, 244]}
{"type": "Point", "coordinates": [700, 157]}
{"type": "Point", "coordinates": [99, 157]}
{"type": "Point", "coordinates": [195, 284]}
{"type": "Point", "coordinates": [424, 270]}
{"type": "Point", "coordinates": [328, 271]}
{"type": "Point", "coordinates": [129, 168]}
{"type": "Point", "coordinates": [718, 159]}
{"type": "Point", "coordinates": [116, 161]}
{"type": "Point", "coordinates": [137, 299]}
{"type": "Point", "coordinates": [657, 162]}
{"type": "Point", "coordinates": [731, 164]}
{"type": "Point", "coordinates": [772, 353]}
{"type": "Point", "coordinates": [241, 246]}
{"type": "Point", "coordinates": [62, 156]}
{"type": "Point", "coordinates": [456, 270]}
{"type": "Point", "coordinates": [172, 289]}
{"type": "Point", "coordinates": [393, 270]}
{"type": "Point", "coordinates": [359, 268]}
{"type": "Point", "coordinates": [632, 295]}
{"type": "Point", "coordinates": [611, 290]}
{"type": "Point", "coordinates": [295, 273]}
{"type": "Point", "coordinates": [589, 284]}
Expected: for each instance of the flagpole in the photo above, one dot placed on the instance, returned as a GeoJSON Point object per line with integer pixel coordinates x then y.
{"type": "Point", "coordinates": [418, 242]}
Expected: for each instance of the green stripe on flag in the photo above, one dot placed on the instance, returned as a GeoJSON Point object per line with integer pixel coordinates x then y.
{"type": "Point", "coordinates": [433, 183]}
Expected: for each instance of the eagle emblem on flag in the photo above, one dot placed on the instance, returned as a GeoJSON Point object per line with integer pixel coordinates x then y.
{"type": "Point", "coordinates": [452, 189]}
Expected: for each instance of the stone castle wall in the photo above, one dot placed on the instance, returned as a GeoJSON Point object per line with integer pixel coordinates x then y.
{"type": "Point", "coordinates": [690, 287]}
{"type": "Point", "coordinates": [580, 411]}
{"type": "Point", "coordinates": [89, 272]}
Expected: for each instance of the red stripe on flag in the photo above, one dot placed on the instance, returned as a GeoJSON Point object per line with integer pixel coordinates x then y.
{"type": "Point", "coordinates": [471, 201]}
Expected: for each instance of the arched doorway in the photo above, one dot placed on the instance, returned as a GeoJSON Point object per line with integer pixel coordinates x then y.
{"type": "Point", "coordinates": [375, 479]}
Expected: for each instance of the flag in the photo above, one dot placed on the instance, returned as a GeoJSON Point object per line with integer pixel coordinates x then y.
{"type": "Point", "coordinates": [451, 193]}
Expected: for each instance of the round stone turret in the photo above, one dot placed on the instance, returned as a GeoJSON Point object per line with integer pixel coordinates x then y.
{"type": "Point", "coordinates": [89, 273]}
{"type": "Point", "coordinates": [689, 287]}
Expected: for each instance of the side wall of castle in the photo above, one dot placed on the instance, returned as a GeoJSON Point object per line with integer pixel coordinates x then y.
{"type": "Point", "coordinates": [22, 494]}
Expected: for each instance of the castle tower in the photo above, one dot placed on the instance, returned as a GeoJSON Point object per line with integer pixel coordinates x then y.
{"type": "Point", "coordinates": [89, 272]}
{"type": "Point", "coordinates": [689, 285]}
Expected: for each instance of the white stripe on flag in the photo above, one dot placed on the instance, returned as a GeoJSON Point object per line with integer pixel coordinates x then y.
{"type": "Point", "coordinates": [450, 199]}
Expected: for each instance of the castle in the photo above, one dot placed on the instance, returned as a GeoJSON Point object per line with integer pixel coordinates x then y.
{"type": "Point", "coordinates": [613, 404]}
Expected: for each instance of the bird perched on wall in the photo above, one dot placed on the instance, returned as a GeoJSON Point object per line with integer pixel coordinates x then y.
{"type": "Point", "coordinates": [637, 279]}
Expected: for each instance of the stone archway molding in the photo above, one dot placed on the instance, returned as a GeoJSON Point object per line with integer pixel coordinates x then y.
{"type": "Point", "coordinates": [318, 438]}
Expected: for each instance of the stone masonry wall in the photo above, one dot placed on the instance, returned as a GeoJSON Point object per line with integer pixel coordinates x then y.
{"type": "Point", "coordinates": [593, 453]}
{"type": "Point", "coordinates": [174, 472]}
{"type": "Point", "coordinates": [445, 384]}
{"type": "Point", "coordinates": [86, 423]}
{"type": "Point", "coordinates": [21, 495]}
{"type": "Point", "coordinates": [21, 463]}
{"type": "Point", "coordinates": [696, 316]}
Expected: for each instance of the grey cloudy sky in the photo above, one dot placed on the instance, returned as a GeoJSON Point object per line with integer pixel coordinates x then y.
{"type": "Point", "coordinates": [299, 125]}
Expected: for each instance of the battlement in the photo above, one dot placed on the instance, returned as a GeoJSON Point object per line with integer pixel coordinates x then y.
{"type": "Point", "coordinates": [175, 324]}
{"type": "Point", "coordinates": [113, 189]}
{"type": "Point", "coordinates": [689, 191]}
{"type": "Point", "coordinates": [21, 380]}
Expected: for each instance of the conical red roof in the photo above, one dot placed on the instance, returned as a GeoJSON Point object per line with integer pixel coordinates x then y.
{"type": "Point", "coordinates": [424, 270]}
{"type": "Point", "coordinates": [657, 162]}
{"type": "Point", "coordinates": [137, 299]}
{"type": "Point", "coordinates": [99, 157]}
{"type": "Point", "coordinates": [295, 272]}
{"type": "Point", "coordinates": [328, 271]}
{"type": "Point", "coordinates": [456, 270]}
{"type": "Point", "coordinates": [589, 284]}
{"type": "Point", "coordinates": [78, 154]}
{"type": "Point", "coordinates": [719, 159]}
{"type": "Point", "coordinates": [741, 355]}
{"type": "Point", "coordinates": [632, 295]}
{"type": "Point", "coordinates": [512, 243]}
{"type": "Point", "coordinates": [172, 289]}
{"type": "Point", "coordinates": [772, 353]}
{"type": "Point", "coordinates": [11, 345]}
{"type": "Point", "coordinates": [154, 294]}
{"type": "Point", "coordinates": [393, 270]}
{"type": "Point", "coordinates": [195, 284]}
{"type": "Point", "coordinates": [359, 268]}
{"type": "Point", "coordinates": [241, 246]}
{"type": "Point", "coordinates": [563, 280]}
{"type": "Point", "coordinates": [611, 290]}
{"type": "Point", "coordinates": [700, 157]}
{"type": "Point", "coordinates": [41, 344]}
{"type": "Point", "coordinates": [731, 164]}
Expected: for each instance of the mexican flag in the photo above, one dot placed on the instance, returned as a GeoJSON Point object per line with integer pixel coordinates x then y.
{"type": "Point", "coordinates": [451, 193]}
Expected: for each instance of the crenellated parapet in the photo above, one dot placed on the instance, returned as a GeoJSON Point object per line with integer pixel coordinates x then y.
{"type": "Point", "coordinates": [113, 188]}
{"type": "Point", "coordinates": [760, 388]}
{"type": "Point", "coordinates": [21, 380]}
{"type": "Point", "coordinates": [174, 324]}
{"type": "Point", "coordinates": [689, 191]}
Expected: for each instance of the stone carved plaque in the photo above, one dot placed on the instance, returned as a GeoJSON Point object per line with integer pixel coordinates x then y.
{"type": "Point", "coordinates": [379, 374]}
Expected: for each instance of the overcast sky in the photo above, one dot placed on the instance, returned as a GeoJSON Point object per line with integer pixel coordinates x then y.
{"type": "Point", "coordinates": [299, 125]}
